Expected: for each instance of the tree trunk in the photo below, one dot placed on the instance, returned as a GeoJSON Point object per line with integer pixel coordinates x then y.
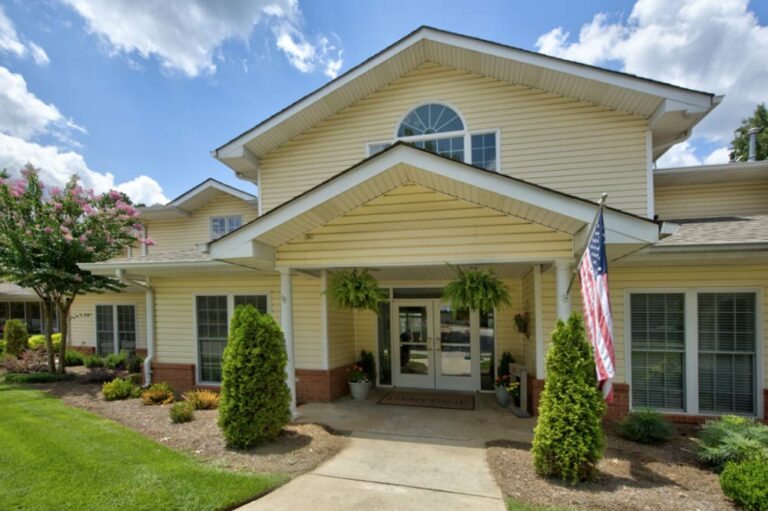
{"type": "Point", "coordinates": [48, 328]}
{"type": "Point", "coordinates": [64, 319]}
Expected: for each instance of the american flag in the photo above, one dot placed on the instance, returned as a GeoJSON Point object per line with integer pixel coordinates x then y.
{"type": "Point", "coordinates": [593, 271]}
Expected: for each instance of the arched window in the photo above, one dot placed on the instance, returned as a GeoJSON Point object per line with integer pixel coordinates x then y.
{"type": "Point", "coordinates": [440, 129]}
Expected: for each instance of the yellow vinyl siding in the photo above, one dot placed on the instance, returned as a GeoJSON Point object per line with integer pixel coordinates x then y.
{"type": "Point", "coordinates": [572, 146]}
{"type": "Point", "coordinates": [507, 336]}
{"type": "Point", "coordinates": [712, 200]}
{"type": "Point", "coordinates": [341, 336]}
{"type": "Point", "coordinates": [412, 224]}
{"type": "Point", "coordinates": [529, 305]}
{"type": "Point", "coordinates": [83, 314]}
{"type": "Point", "coordinates": [176, 338]}
{"type": "Point", "coordinates": [366, 332]}
{"type": "Point", "coordinates": [184, 233]}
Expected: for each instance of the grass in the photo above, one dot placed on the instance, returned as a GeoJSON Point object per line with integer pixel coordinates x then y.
{"type": "Point", "coordinates": [57, 457]}
{"type": "Point", "coordinates": [37, 377]}
{"type": "Point", "coordinates": [518, 506]}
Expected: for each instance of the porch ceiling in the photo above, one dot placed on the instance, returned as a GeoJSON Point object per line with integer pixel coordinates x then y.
{"type": "Point", "coordinates": [402, 164]}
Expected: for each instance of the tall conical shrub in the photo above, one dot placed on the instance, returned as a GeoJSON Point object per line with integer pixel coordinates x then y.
{"type": "Point", "coordinates": [568, 438]}
{"type": "Point", "coordinates": [255, 400]}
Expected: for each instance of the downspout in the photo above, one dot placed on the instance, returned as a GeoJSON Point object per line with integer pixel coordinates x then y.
{"type": "Point", "coordinates": [149, 294]}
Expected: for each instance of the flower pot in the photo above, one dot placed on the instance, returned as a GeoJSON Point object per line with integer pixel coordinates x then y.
{"type": "Point", "coordinates": [360, 391]}
{"type": "Point", "coordinates": [502, 396]}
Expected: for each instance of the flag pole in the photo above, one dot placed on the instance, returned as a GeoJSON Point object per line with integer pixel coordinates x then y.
{"type": "Point", "coordinates": [600, 208]}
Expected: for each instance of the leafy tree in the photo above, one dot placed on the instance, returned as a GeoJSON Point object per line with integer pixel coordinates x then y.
{"type": "Point", "coordinates": [255, 400]}
{"type": "Point", "coordinates": [568, 439]}
{"type": "Point", "coordinates": [45, 233]}
{"type": "Point", "coordinates": [740, 142]}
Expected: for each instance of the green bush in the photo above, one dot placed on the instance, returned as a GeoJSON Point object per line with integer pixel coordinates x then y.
{"type": "Point", "coordinates": [94, 361]}
{"type": "Point", "coordinates": [116, 360]}
{"type": "Point", "coordinates": [203, 399]}
{"type": "Point", "coordinates": [136, 378]}
{"type": "Point", "coordinates": [157, 394]}
{"type": "Point", "coordinates": [37, 342]}
{"type": "Point", "coordinates": [646, 427]}
{"type": "Point", "coordinates": [732, 438]}
{"type": "Point", "coordinates": [15, 337]}
{"type": "Point", "coordinates": [255, 401]}
{"type": "Point", "coordinates": [117, 389]}
{"type": "Point", "coordinates": [746, 483]}
{"type": "Point", "coordinates": [134, 364]}
{"type": "Point", "coordinates": [73, 358]}
{"type": "Point", "coordinates": [568, 438]}
{"type": "Point", "coordinates": [2, 349]}
{"type": "Point", "coordinates": [37, 377]}
{"type": "Point", "coordinates": [182, 412]}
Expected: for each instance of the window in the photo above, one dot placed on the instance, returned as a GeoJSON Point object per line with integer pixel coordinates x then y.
{"type": "Point", "coordinates": [115, 329]}
{"type": "Point", "coordinates": [695, 351]}
{"type": "Point", "coordinates": [429, 120]}
{"type": "Point", "coordinates": [213, 314]}
{"type": "Point", "coordinates": [29, 312]}
{"type": "Point", "coordinates": [727, 353]}
{"type": "Point", "coordinates": [484, 151]}
{"type": "Point", "coordinates": [658, 350]}
{"type": "Point", "coordinates": [221, 225]}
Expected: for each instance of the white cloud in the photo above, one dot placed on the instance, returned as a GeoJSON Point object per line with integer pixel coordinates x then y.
{"type": "Point", "coordinates": [143, 190]}
{"type": "Point", "coordinates": [184, 35]}
{"type": "Point", "coordinates": [10, 42]}
{"type": "Point", "coordinates": [683, 155]}
{"type": "Point", "coordinates": [23, 117]}
{"type": "Point", "coordinates": [712, 45]}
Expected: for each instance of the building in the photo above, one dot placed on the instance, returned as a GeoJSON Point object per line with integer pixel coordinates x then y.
{"type": "Point", "coordinates": [442, 149]}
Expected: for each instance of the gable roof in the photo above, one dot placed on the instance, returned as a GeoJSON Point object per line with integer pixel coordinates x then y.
{"type": "Point", "coordinates": [672, 111]}
{"type": "Point", "coordinates": [402, 164]}
{"type": "Point", "coordinates": [194, 198]}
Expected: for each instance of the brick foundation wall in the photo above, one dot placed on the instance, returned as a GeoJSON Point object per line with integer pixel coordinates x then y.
{"type": "Point", "coordinates": [141, 352]}
{"type": "Point", "coordinates": [86, 350]}
{"type": "Point", "coordinates": [179, 376]}
{"type": "Point", "coordinates": [317, 385]}
{"type": "Point", "coordinates": [619, 407]}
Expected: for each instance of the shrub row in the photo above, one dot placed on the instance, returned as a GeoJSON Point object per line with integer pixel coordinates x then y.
{"type": "Point", "coordinates": [118, 361]}
{"type": "Point", "coordinates": [42, 377]}
{"type": "Point", "coordinates": [37, 342]}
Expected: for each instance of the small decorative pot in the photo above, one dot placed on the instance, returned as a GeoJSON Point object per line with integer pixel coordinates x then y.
{"type": "Point", "coordinates": [502, 396]}
{"type": "Point", "coordinates": [360, 390]}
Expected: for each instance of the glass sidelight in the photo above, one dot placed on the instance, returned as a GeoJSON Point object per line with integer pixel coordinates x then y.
{"type": "Point", "coordinates": [455, 350]}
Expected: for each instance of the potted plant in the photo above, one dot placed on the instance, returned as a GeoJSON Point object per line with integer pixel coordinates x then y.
{"type": "Point", "coordinates": [360, 382]}
{"type": "Point", "coordinates": [355, 290]}
{"type": "Point", "coordinates": [476, 289]}
{"type": "Point", "coordinates": [521, 322]}
{"type": "Point", "coordinates": [506, 389]}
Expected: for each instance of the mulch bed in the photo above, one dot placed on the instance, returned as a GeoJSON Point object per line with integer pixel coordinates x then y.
{"type": "Point", "coordinates": [299, 449]}
{"type": "Point", "coordinates": [632, 477]}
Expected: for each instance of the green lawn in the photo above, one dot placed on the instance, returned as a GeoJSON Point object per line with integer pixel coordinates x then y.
{"type": "Point", "coordinates": [53, 456]}
{"type": "Point", "coordinates": [517, 506]}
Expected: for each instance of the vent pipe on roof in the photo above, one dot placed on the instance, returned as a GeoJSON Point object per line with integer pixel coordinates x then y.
{"type": "Point", "coordinates": [753, 143]}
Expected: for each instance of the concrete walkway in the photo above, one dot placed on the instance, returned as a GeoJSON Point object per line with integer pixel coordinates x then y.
{"type": "Point", "coordinates": [402, 458]}
{"type": "Point", "coordinates": [388, 472]}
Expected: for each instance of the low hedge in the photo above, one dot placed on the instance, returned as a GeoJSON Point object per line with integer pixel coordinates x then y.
{"type": "Point", "coordinates": [43, 377]}
{"type": "Point", "coordinates": [646, 427]}
{"type": "Point", "coordinates": [746, 483]}
{"type": "Point", "coordinates": [37, 342]}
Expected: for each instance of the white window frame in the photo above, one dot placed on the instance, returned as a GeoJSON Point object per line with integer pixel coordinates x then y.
{"type": "Point", "coordinates": [230, 312]}
{"type": "Point", "coordinates": [692, 344]}
{"type": "Point", "coordinates": [227, 229]}
{"type": "Point", "coordinates": [115, 331]}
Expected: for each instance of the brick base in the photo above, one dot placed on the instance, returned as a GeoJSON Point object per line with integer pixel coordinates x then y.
{"type": "Point", "coordinates": [179, 376]}
{"type": "Point", "coordinates": [141, 352]}
{"type": "Point", "coordinates": [86, 350]}
{"type": "Point", "coordinates": [315, 385]}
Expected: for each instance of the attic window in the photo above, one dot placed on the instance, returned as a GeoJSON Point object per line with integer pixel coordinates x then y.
{"type": "Point", "coordinates": [430, 120]}
{"type": "Point", "coordinates": [221, 225]}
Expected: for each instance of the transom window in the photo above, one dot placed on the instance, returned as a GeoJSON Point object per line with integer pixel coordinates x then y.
{"type": "Point", "coordinates": [212, 319]}
{"type": "Point", "coordinates": [221, 225]}
{"type": "Point", "coordinates": [440, 129]}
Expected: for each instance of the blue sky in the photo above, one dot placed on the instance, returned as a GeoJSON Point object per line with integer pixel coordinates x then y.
{"type": "Point", "coordinates": [102, 88]}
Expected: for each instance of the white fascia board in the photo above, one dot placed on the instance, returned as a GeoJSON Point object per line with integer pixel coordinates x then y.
{"type": "Point", "coordinates": [109, 268]}
{"type": "Point", "coordinates": [179, 202]}
{"type": "Point", "coordinates": [630, 227]}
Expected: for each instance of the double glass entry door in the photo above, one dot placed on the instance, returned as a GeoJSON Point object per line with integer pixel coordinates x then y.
{"type": "Point", "coordinates": [435, 347]}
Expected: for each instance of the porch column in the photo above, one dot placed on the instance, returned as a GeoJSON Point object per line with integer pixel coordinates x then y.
{"type": "Point", "coordinates": [564, 272]}
{"type": "Point", "coordinates": [286, 322]}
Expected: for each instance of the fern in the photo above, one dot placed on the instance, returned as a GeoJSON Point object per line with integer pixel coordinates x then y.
{"type": "Point", "coordinates": [476, 290]}
{"type": "Point", "coordinates": [355, 290]}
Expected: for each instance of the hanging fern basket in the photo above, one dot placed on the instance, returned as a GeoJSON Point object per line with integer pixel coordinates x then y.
{"type": "Point", "coordinates": [355, 290]}
{"type": "Point", "coordinates": [475, 289]}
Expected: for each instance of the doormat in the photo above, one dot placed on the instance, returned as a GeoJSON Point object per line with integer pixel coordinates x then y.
{"type": "Point", "coordinates": [448, 400]}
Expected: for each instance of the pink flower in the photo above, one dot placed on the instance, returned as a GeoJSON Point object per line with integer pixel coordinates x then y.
{"type": "Point", "coordinates": [148, 242]}
{"type": "Point", "coordinates": [55, 190]}
{"type": "Point", "coordinates": [115, 195]}
{"type": "Point", "coordinates": [18, 187]}
{"type": "Point", "coordinates": [64, 229]}
{"type": "Point", "coordinates": [48, 230]}
{"type": "Point", "coordinates": [83, 238]}
{"type": "Point", "coordinates": [58, 206]}
{"type": "Point", "coordinates": [87, 209]}
{"type": "Point", "coordinates": [138, 227]}
{"type": "Point", "coordinates": [68, 238]}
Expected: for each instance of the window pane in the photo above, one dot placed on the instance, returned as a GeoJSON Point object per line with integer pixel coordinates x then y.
{"type": "Point", "coordinates": [34, 318]}
{"type": "Point", "coordinates": [258, 301]}
{"type": "Point", "coordinates": [126, 328]}
{"type": "Point", "coordinates": [234, 222]}
{"type": "Point", "coordinates": [105, 330]}
{"type": "Point", "coordinates": [487, 349]}
{"type": "Point", "coordinates": [727, 359]}
{"type": "Point", "coordinates": [449, 147]}
{"type": "Point", "coordinates": [385, 339]}
{"type": "Point", "coordinates": [484, 151]}
{"type": "Point", "coordinates": [218, 226]}
{"type": "Point", "coordinates": [658, 350]}
{"type": "Point", "coordinates": [211, 335]}
{"type": "Point", "coordinates": [429, 119]}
